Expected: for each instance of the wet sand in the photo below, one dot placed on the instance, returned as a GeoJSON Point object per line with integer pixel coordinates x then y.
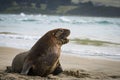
{"type": "Point", "coordinates": [74, 67]}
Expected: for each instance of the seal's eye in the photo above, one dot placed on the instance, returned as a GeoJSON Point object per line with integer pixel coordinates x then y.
{"type": "Point", "coordinates": [59, 32]}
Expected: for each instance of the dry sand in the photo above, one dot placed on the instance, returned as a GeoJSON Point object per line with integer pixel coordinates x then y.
{"type": "Point", "coordinates": [77, 68]}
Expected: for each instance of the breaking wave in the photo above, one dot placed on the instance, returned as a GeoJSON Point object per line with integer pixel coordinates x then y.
{"type": "Point", "coordinates": [10, 35]}
{"type": "Point", "coordinates": [60, 19]}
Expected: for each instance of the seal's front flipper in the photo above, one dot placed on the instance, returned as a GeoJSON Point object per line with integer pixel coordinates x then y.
{"type": "Point", "coordinates": [8, 69]}
{"type": "Point", "coordinates": [58, 69]}
{"type": "Point", "coordinates": [26, 68]}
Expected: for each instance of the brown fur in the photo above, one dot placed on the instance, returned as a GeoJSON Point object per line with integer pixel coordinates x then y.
{"type": "Point", "coordinates": [43, 58]}
{"type": "Point", "coordinates": [18, 61]}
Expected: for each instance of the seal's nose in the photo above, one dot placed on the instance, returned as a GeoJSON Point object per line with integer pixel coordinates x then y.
{"type": "Point", "coordinates": [67, 31]}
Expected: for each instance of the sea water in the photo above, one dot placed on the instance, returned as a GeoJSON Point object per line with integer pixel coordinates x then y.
{"type": "Point", "coordinates": [22, 31]}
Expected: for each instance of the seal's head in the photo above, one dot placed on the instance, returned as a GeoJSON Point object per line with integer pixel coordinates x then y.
{"type": "Point", "coordinates": [58, 35]}
{"type": "Point", "coordinates": [61, 35]}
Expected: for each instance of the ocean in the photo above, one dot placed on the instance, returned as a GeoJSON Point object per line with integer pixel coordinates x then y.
{"type": "Point", "coordinates": [90, 36]}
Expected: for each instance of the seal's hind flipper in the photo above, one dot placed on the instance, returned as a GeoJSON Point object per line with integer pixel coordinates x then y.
{"type": "Point", "coordinates": [26, 68]}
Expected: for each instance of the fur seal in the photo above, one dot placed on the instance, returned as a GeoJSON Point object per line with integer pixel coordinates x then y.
{"type": "Point", "coordinates": [43, 58]}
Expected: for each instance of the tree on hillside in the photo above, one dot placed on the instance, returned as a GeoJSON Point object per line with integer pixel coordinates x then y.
{"type": "Point", "coordinates": [5, 3]}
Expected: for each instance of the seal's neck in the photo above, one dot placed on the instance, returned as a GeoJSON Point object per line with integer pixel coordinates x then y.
{"type": "Point", "coordinates": [44, 44]}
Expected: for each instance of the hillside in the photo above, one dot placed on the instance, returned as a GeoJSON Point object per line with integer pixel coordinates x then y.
{"type": "Point", "coordinates": [57, 7]}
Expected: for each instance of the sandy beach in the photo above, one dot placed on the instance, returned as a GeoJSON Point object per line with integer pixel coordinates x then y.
{"type": "Point", "coordinates": [79, 68]}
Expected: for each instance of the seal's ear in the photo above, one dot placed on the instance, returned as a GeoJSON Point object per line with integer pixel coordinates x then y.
{"type": "Point", "coordinates": [26, 68]}
{"type": "Point", "coordinates": [58, 33]}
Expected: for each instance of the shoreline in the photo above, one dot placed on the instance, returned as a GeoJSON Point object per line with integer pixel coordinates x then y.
{"type": "Point", "coordinates": [70, 54]}
{"type": "Point", "coordinates": [74, 67]}
{"type": "Point", "coordinates": [92, 57]}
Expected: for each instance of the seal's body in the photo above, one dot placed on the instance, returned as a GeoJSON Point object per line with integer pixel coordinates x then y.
{"type": "Point", "coordinates": [43, 58]}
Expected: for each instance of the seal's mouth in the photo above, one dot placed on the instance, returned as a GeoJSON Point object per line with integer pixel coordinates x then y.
{"type": "Point", "coordinates": [64, 36]}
